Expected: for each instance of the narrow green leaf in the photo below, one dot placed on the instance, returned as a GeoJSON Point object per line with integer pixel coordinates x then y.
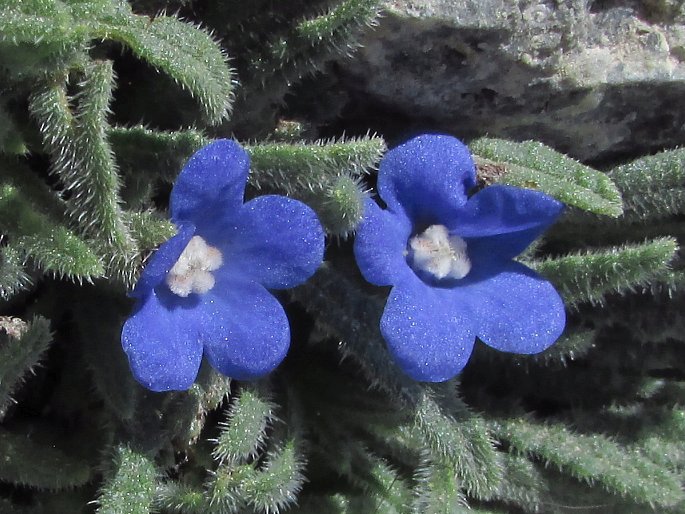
{"type": "Point", "coordinates": [324, 175]}
{"type": "Point", "coordinates": [38, 36]}
{"type": "Point", "coordinates": [294, 50]}
{"type": "Point", "coordinates": [185, 416]}
{"type": "Point", "coordinates": [391, 495]}
{"type": "Point", "coordinates": [43, 466]}
{"type": "Point", "coordinates": [41, 31]}
{"type": "Point", "coordinates": [51, 245]}
{"type": "Point", "coordinates": [153, 152]}
{"type": "Point", "coordinates": [340, 205]}
{"type": "Point", "coordinates": [339, 21]}
{"type": "Point", "coordinates": [350, 314]}
{"type": "Point", "coordinates": [225, 488]}
{"type": "Point", "coordinates": [278, 484]}
{"type": "Point", "coordinates": [22, 345]}
{"type": "Point", "coordinates": [180, 498]}
{"type": "Point", "coordinates": [464, 444]}
{"type": "Point", "coordinates": [184, 52]}
{"type": "Point", "coordinates": [244, 431]}
{"type": "Point", "coordinates": [101, 313]}
{"type": "Point", "coordinates": [81, 155]}
{"type": "Point", "coordinates": [437, 490]}
{"type": "Point", "coordinates": [13, 276]}
{"type": "Point", "coordinates": [293, 167]}
{"type": "Point", "coordinates": [664, 170]}
{"type": "Point", "coordinates": [590, 276]}
{"type": "Point", "coordinates": [131, 487]}
{"type": "Point", "coordinates": [593, 459]}
{"type": "Point", "coordinates": [652, 186]}
{"type": "Point", "coordinates": [570, 346]}
{"type": "Point", "coordinates": [522, 484]}
{"type": "Point", "coordinates": [533, 165]}
{"type": "Point", "coordinates": [149, 229]}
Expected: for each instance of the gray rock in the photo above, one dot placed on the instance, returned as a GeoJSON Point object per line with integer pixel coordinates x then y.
{"type": "Point", "coordinates": [594, 79]}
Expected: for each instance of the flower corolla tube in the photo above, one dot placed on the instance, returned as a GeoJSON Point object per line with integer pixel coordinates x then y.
{"type": "Point", "coordinates": [450, 260]}
{"type": "Point", "coordinates": [205, 292]}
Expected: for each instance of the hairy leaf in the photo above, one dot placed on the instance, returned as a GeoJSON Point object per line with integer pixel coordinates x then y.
{"type": "Point", "coordinates": [535, 166]}
{"type": "Point", "coordinates": [51, 245]}
{"type": "Point", "coordinates": [43, 466]}
{"type": "Point", "coordinates": [590, 276]}
{"type": "Point", "coordinates": [132, 485]}
{"type": "Point", "coordinates": [22, 346]}
{"type": "Point", "coordinates": [594, 459]}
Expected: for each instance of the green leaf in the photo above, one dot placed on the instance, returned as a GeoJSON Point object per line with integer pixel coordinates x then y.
{"type": "Point", "coordinates": [437, 490]}
{"type": "Point", "coordinates": [131, 487]}
{"type": "Point", "coordinates": [99, 332]}
{"type": "Point", "coordinates": [278, 483]}
{"type": "Point", "coordinates": [44, 30]}
{"type": "Point", "coordinates": [590, 276]}
{"type": "Point", "coordinates": [149, 229]}
{"type": "Point", "coordinates": [81, 155]}
{"type": "Point", "coordinates": [351, 314]}
{"type": "Point", "coordinates": [570, 346]}
{"type": "Point", "coordinates": [593, 459]}
{"type": "Point", "coordinates": [339, 206]}
{"type": "Point", "coordinates": [180, 498]}
{"type": "Point", "coordinates": [22, 346]}
{"type": "Point", "coordinates": [339, 22]}
{"type": "Point", "coordinates": [43, 466]}
{"type": "Point", "coordinates": [13, 276]}
{"type": "Point", "coordinates": [51, 245]}
{"type": "Point", "coordinates": [186, 415]}
{"type": "Point", "coordinates": [321, 174]}
{"type": "Point", "coordinates": [663, 442]}
{"type": "Point", "coordinates": [652, 186]}
{"type": "Point", "coordinates": [37, 37]}
{"type": "Point", "coordinates": [184, 52]}
{"type": "Point", "coordinates": [244, 431]}
{"type": "Point", "coordinates": [521, 484]}
{"type": "Point", "coordinates": [533, 165]}
{"type": "Point", "coordinates": [293, 48]}
{"type": "Point", "coordinates": [464, 444]}
{"type": "Point", "coordinates": [224, 489]}
{"type": "Point", "coordinates": [154, 153]}
{"type": "Point", "coordinates": [293, 167]}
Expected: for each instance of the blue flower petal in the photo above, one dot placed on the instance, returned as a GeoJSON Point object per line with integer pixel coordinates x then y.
{"type": "Point", "coordinates": [212, 181]}
{"type": "Point", "coordinates": [274, 240]}
{"type": "Point", "coordinates": [427, 178]}
{"type": "Point", "coordinates": [515, 309]}
{"type": "Point", "coordinates": [244, 329]}
{"type": "Point", "coordinates": [162, 344]}
{"type": "Point", "coordinates": [163, 260]}
{"type": "Point", "coordinates": [495, 250]}
{"type": "Point", "coordinates": [380, 243]}
{"type": "Point", "coordinates": [429, 331]}
{"type": "Point", "coordinates": [501, 209]}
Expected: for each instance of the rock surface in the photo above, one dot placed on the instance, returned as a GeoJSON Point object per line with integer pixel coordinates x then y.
{"type": "Point", "coordinates": [598, 80]}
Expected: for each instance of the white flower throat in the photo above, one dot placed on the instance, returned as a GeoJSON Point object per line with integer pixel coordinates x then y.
{"type": "Point", "coordinates": [191, 273]}
{"type": "Point", "coordinates": [437, 252]}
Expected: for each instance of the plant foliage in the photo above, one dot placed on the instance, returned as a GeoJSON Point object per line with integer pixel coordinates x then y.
{"type": "Point", "coordinates": [101, 104]}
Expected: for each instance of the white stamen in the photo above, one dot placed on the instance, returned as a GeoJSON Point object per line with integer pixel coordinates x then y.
{"type": "Point", "coordinates": [191, 273]}
{"type": "Point", "coordinates": [439, 253]}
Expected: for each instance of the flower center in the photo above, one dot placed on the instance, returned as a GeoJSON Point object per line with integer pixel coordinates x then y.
{"type": "Point", "coordinates": [436, 252]}
{"type": "Point", "coordinates": [191, 273]}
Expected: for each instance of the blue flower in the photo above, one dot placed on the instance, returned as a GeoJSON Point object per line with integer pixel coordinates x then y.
{"type": "Point", "coordinates": [450, 260]}
{"type": "Point", "coordinates": [205, 291]}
